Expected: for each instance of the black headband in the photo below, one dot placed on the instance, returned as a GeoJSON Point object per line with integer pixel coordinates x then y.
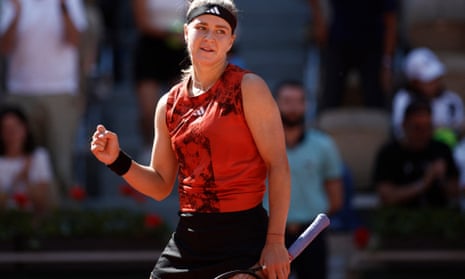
{"type": "Point", "coordinates": [213, 9]}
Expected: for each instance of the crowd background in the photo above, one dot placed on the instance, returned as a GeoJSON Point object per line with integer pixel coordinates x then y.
{"type": "Point", "coordinates": [277, 40]}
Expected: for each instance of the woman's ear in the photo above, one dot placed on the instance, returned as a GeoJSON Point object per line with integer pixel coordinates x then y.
{"type": "Point", "coordinates": [185, 32]}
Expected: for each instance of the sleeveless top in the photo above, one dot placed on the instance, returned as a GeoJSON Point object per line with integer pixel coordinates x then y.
{"type": "Point", "coordinates": [220, 168]}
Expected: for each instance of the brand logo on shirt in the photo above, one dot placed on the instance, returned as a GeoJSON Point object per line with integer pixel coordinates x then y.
{"type": "Point", "coordinates": [199, 112]}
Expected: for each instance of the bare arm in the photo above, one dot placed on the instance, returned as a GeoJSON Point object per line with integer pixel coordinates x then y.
{"type": "Point", "coordinates": [263, 119]}
{"type": "Point", "coordinates": [72, 34]}
{"type": "Point", "coordinates": [391, 194]}
{"type": "Point", "coordinates": [8, 39]}
{"type": "Point", "coordinates": [335, 194]}
{"type": "Point", "coordinates": [156, 180]}
{"type": "Point", "coordinates": [38, 191]}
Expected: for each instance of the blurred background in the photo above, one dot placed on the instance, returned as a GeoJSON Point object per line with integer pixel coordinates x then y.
{"type": "Point", "coordinates": [277, 40]}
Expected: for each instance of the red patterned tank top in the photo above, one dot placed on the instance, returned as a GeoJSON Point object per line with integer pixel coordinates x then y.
{"type": "Point", "coordinates": [220, 168]}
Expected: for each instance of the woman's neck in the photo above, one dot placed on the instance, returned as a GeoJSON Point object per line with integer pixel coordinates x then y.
{"type": "Point", "coordinates": [204, 78]}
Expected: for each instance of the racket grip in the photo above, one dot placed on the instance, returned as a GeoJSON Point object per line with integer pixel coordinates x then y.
{"type": "Point", "coordinates": [319, 224]}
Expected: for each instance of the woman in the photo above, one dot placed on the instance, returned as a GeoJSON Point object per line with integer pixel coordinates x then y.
{"type": "Point", "coordinates": [25, 170]}
{"type": "Point", "coordinates": [221, 131]}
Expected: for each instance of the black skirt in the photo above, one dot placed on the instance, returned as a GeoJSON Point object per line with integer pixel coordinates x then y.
{"type": "Point", "coordinates": [208, 244]}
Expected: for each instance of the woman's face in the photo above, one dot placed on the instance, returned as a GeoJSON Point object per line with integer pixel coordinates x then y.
{"type": "Point", "coordinates": [291, 103]}
{"type": "Point", "coordinates": [13, 131]}
{"type": "Point", "coordinates": [429, 88]}
{"type": "Point", "coordinates": [209, 38]}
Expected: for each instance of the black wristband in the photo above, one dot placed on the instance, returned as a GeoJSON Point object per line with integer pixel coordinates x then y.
{"type": "Point", "coordinates": [122, 163]}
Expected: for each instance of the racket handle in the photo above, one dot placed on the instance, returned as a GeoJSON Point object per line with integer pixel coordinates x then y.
{"type": "Point", "coordinates": [319, 224]}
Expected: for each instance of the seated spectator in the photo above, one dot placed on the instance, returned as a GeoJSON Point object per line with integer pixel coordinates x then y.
{"type": "Point", "coordinates": [424, 73]}
{"type": "Point", "coordinates": [25, 169]}
{"type": "Point", "coordinates": [40, 41]}
{"type": "Point", "coordinates": [416, 170]}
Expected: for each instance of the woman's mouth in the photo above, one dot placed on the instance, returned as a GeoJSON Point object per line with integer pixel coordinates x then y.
{"type": "Point", "coordinates": [206, 49]}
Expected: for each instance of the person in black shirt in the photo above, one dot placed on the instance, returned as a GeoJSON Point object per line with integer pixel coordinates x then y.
{"type": "Point", "coordinates": [416, 171]}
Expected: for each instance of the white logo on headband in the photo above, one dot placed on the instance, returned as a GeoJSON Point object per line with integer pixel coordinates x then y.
{"type": "Point", "coordinates": [213, 10]}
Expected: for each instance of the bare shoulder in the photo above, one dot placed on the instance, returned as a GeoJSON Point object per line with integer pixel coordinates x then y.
{"type": "Point", "coordinates": [161, 105]}
{"type": "Point", "coordinates": [255, 89]}
{"type": "Point", "coordinates": [252, 81]}
{"type": "Point", "coordinates": [160, 112]}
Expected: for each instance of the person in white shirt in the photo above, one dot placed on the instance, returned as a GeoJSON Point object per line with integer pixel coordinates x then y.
{"type": "Point", "coordinates": [424, 72]}
{"type": "Point", "coordinates": [26, 176]}
{"type": "Point", "coordinates": [40, 42]}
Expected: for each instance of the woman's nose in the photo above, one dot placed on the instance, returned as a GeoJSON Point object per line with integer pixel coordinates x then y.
{"type": "Point", "coordinates": [209, 35]}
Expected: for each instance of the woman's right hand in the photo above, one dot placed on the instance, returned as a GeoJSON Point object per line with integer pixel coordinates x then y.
{"type": "Point", "coordinates": [104, 145]}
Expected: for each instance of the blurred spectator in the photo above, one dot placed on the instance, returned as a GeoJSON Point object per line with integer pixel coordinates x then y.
{"type": "Point", "coordinates": [159, 53]}
{"type": "Point", "coordinates": [89, 47]}
{"type": "Point", "coordinates": [424, 73]}
{"type": "Point", "coordinates": [26, 178]}
{"type": "Point", "coordinates": [416, 170]}
{"type": "Point", "coordinates": [40, 40]}
{"type": "Point", "coordinates": [118, 25]}
{"type": "Point", "coordinates": [316, 174]}
{"type": "Point", "coordinates": [2, 64]}
{"type": "Point", "coordinates": [361, 36]}
{"type": "Point", "coordinates": [459, 156]}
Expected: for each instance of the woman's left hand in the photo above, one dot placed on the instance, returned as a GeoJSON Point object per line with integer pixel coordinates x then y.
{"type": "Point", "coordinates": [275, 258]}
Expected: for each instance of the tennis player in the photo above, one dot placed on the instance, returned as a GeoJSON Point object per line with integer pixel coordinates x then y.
{"type": "Point", "coordinates": [220, 131]}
